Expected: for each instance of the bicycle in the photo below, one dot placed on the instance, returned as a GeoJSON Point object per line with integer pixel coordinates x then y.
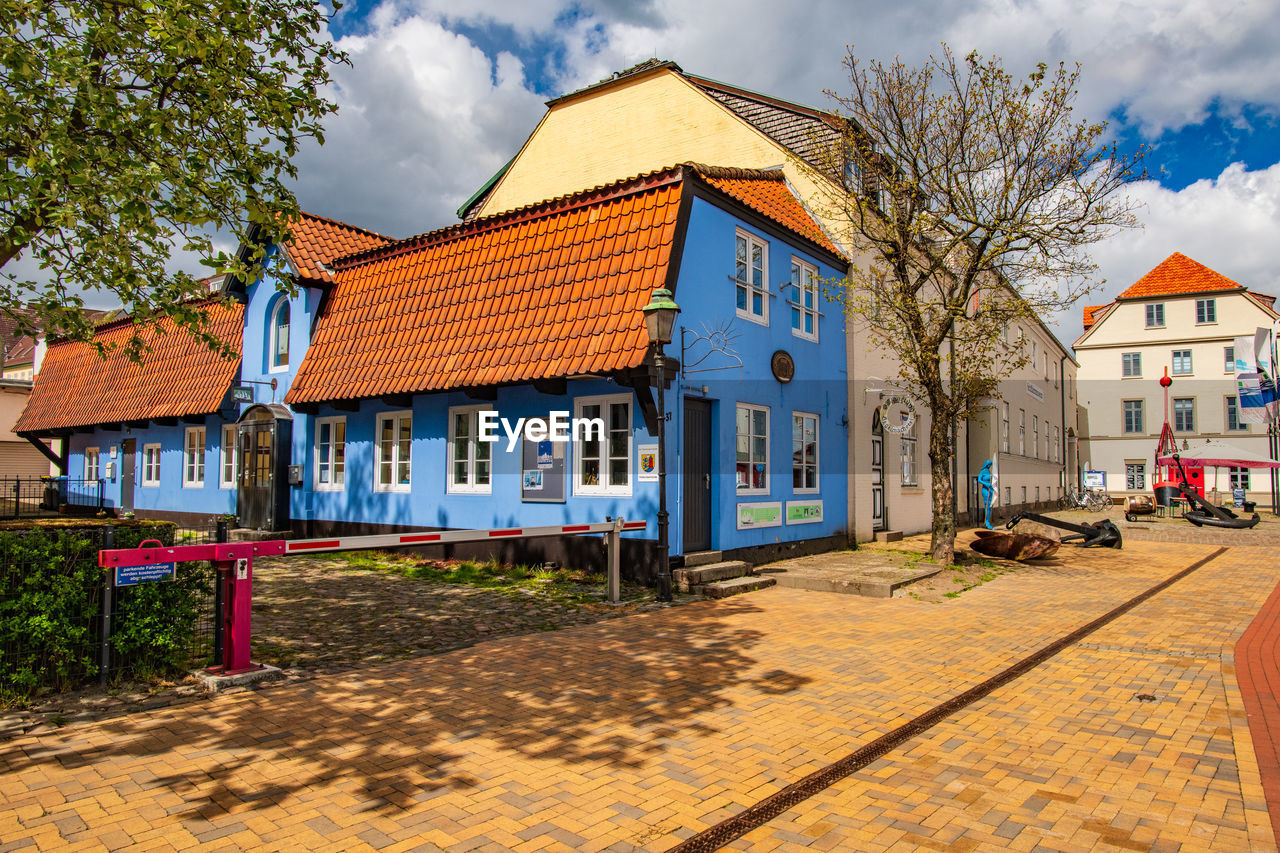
{"type": "Point", "coordinates": [1097, 500]}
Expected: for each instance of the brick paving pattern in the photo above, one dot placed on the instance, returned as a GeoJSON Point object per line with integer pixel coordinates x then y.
{"type": "Point", "coordinates": [638, 732]}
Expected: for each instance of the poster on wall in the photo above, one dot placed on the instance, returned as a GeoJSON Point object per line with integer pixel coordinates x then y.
{"type": "Point", "coordinates": [543, 469]}
{"type": "Point", "coordinates": [751, 516]}
{"type": "Point", "coordinates": [648, 463]}
{"type": "Point", "coordinates": [804, 512]}
{"type": "Point", "coordinates": [1095, 479]}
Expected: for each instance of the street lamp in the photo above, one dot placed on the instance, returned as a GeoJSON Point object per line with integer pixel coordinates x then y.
{"type": "Point", "coordinates": [659, 318]}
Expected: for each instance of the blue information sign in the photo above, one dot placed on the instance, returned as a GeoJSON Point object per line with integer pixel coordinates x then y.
{"type": "Point", "coordinates": [134, 575]}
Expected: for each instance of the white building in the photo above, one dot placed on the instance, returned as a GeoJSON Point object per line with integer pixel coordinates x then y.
{"type": "Point", "coordinates": [1183, 318]}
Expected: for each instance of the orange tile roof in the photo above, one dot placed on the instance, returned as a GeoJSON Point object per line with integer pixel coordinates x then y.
{"type": "Point", "coordinates": [553, 289]}
{"type": "Point", "coordinates": [179, 376]}
{"type": "Point", "coordinates": [1091, 312]}
{"type": "Point", "coordinates": [315, 241]}
{"type": "Point", "coordinates": [767, 192]}
{"type": "Point", "coordinates": [1178, 274]}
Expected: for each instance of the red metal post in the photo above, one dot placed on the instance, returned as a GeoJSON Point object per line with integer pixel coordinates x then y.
{"type": "Point", "coordinates": [237, 599]}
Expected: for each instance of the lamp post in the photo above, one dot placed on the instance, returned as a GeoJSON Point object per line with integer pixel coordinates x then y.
{"type": "Point", "coordinates": [659, 318]}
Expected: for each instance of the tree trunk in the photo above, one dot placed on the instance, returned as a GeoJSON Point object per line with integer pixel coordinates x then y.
{"type": "Point", "coordinates": [942, 546]}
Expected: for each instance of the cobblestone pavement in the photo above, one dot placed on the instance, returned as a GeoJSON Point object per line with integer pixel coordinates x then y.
{"type": "Point", "coordinates": [637, 732]}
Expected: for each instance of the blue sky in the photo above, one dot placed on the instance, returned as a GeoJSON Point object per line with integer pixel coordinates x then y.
{"type": "Point", "coordinates": [441, 93]}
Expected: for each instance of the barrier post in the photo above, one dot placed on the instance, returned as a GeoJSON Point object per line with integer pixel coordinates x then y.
{"type": "Point", "coordinates": [614, 548]}
{"type": "Point", "coordinates": [238, 603]}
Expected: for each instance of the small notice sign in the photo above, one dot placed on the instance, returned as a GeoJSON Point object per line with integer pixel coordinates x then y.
{"type": "Point", "coordinates": [134, 575]}
{"type": "Point", "coordinates": [759, 515]}
{"type": "Point", "coordinates": [241, 394]}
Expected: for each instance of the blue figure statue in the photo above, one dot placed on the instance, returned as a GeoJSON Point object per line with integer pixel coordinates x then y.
{"type": "Point", "coordinates": [988, 489]}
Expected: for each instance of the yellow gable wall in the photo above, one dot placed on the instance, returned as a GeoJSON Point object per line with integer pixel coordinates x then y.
{"type": "Point", "coordinates": [630, 128]}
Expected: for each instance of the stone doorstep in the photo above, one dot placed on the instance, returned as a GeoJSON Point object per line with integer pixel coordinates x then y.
{"type": "Point", "coordinates": [854, 586]}
{"type": "Point", "coordinates": [702, 558]}
{"type": "Point", "coordinates": [737, 586]}
{"type": "Point", "coordinates": [888, 536]}
{"type": "Point", "coordinates": [690, 579]}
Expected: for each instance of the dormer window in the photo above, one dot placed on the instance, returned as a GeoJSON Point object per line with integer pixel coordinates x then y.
{"type": "Point", "coordinates": [279, 342]}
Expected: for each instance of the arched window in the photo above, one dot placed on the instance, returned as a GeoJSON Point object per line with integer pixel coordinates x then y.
{"type": "Point", "coordinates": [280, 334]}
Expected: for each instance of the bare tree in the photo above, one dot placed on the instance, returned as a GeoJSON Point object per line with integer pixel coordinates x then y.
{"type": "Point", "coordinates": [972, 198]}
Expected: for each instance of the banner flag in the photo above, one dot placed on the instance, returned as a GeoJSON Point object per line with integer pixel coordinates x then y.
{"type": "Point", "coordinates": [1252, 404]}
{"type": "Point", "coordinates": [1266, 370]}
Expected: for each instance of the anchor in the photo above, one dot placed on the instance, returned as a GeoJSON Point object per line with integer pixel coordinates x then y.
{"type": "Point", "coordinates": [1102, 534]}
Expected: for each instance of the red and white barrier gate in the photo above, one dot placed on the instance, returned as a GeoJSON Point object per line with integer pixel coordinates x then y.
{"type": "Point", "coordinates": [234, 564]}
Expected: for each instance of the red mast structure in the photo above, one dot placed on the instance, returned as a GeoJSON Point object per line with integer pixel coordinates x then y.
{"type": "Point", "coordinates": [1167, 475]}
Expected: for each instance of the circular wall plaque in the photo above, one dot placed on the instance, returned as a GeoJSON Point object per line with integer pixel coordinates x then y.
{"type": "Point", "coordinates": [784, 369]}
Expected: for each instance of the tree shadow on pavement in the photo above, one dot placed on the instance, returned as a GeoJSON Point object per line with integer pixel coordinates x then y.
{"type": "Point", "coordinates": [608, 697]}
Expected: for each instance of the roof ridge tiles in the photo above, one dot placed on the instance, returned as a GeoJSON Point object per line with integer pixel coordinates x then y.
{"type": "Point", "coordinates": [340, 223]}
{"type": "Point", "coordinates": [578, 200]}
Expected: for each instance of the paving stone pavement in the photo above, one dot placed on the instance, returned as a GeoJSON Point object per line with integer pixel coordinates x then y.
{"type": "Point", "coordinates": [638, 732]}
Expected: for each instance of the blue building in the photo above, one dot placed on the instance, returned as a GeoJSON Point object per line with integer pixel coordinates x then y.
{"type": "Point", "coordinates": [360, 401]}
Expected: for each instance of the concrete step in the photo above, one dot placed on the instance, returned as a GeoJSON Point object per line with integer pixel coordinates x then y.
{"type": "Point", "coordinates": [702, 558]}
{"type": "Point", "coordinates": [889, 536]}
{"type": "Point", "coordinates": [737, 586]}
{"type": "Point", "coordinates": [688, 579]}
{"type": "Point", "coordinates": [248, 534]}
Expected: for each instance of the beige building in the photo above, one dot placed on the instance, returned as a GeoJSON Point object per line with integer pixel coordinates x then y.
{"type": "Point", "coordinates": [655, 115]}
{"type": "Point", "coordinates": [1181, 318]}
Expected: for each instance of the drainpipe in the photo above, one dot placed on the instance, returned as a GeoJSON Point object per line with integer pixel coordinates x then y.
{"type": "Point", "coordinates": [1062, 396]}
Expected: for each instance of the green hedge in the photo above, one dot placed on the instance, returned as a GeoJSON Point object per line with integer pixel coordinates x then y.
{"type": "Point", "coordinates": [50, 607]}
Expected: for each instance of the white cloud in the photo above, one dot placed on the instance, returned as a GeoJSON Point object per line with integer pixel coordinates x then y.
{"type": "Point", "coordinates": [425, 117]}
{"type": "Point", "coordinates": [1230, 224]}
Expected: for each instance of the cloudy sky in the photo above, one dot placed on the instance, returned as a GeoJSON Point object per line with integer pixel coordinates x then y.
{"type": "Point", "coordinates": [441, 93]}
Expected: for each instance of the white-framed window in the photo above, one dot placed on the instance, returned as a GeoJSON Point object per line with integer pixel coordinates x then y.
{"type": "Point", "coordinates": [1206, 311]}
{"type": "Point", "coordinates": [151, 464]}
{"type": "Point", "coordinates": [278, 339]}
{"type": "Point", "coordinates": [1022, 432]}
{"type": "Point", "coordinates": [910, 454]}
{"type": "Point", "coordinates": [1234, 424]}
{"type": "Point", "coordinates": [604, 464]}
{"type": "Point", "coordinates": [1035, 436]}
{"type": "Point", "coordinates": [1155, 315]}
{"type": "Point", "coordinates": [1004, 428]}
{"type": "Point", "coordinates": [1131, 364]}
{"type": "Point", "coordinates": [1057, 443]}
{"type": "Point", "coordinates": [1008, 495]}
{"type": "Point", "coordinates": [1182, 362]}
{"type": "Point", "coordinates": [1135, 476]}
{"type": "Point", "coordinates": [91, 469]}
{"type": "Point", "coordinates": [229, 463]}
{"type": "Point", "coordinates": [1239, 478]}
{"type": "Point", "coordinates": [751, 278]}
{"type": "Point", "coordinates": [1184, 414]}
{"type": "Point", "coordinates": [804, 452]}
{"type": "Point", "coordinates": [331, 454]}
{"type": "Point", "coordinates": [1133, 420]}
{"type": "Point", "coordinates": [193, 459]}
{"type": "Point", "coordinates": [804, 299]}
{"type": "Point", "coordinates": [752, 449]}
{"type": "Point", "coordinates": [470, 459]}
{"type": "Point", "coordinates": [1024, 494]}
{"type": "Point", "coordinates": [1229, 359]}
{"type": "Point", "coordinates": [393, 449]}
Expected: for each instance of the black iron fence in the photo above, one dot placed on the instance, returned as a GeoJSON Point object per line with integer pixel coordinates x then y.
{"type": "Point", "coordinates": [65, 622]}
{"type": "Point", "coordinates": [30, 497]}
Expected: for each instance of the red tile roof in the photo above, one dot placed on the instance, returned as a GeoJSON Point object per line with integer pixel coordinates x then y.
{"type": "Point", "coordinates": [1178, 274]}
{"type": "Point", "coordinates": [1091, 313]}
{"type": "Point", "coordinates": [553, 289]}
{"type": "Point", "coordinates": [179, 376]}
{"type": "Point", "coordinates": [767, 193]}
{"type": "Point", "coordinates": [315, 241]}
